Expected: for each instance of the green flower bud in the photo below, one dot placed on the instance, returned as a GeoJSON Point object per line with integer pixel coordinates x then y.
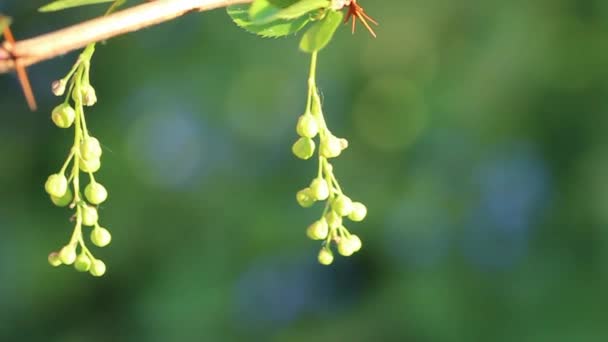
{"type": "Point", "coordinates": [54, 259]}
{"type": "Point", "coordinates": [67, 254]}
{"type": "Point", "coordinates": [307, 126]}
{"type": "Point", "coordinates": [358, 213]}
{"type": "Point", "coordinates": [305, 198]}
{"type": "Point", "coordinates": [345, 247]}
{"type": "Point", "coordinates": [303, 148]}
{"type": "Point", "coordinates": [333, 220]}
{"type": "Point", "coordinates": [63, 200]}
{"type": "Point", "coordinates": [319, 189]}
{"type": "Point", "coordinates": [343, 144]}
{"type": "Point", "coordinates": [89, 215]}
{"type": "Point", "coordinates": [91, 165]}
{"type": "Point", "coordinates": [355, 242]}
{"type": "Point", "coordinates": [326, 257]}
{"type": "Point", "coordinates": [58, 87]}
{"type": "Point", "coordinates": [90, 148]}
{"type": "Point", "coordinates": [98, 268]}
{"type": "Point", "coordinates": [82, 263]}
{"type": "Point", "coordinates": [95, 193]}
{"type": "Point", "coordinates": [342, 205]}
{"type": "Point", "coordinates": [63, 115]}
{"type": "Point", "coordinates": [56, 185]}
{"type": "Point", "coordinates": [100, 237]}
{"type": "Point", "coordinates": [89, 97]}
{"type": "Point", "coordinates": [331, 147]}
{"type": "Point", "coordinates": [318, 230]}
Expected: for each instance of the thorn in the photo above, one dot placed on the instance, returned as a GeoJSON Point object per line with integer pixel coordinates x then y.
{"type": "Point", "coordinates": [22, 74]}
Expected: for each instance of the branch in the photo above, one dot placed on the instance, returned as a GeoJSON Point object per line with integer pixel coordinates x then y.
{"type": "Point", "coordinates": [50, 45]}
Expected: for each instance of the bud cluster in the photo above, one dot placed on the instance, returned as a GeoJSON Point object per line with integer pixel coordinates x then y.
{"type": "Point", "coordinates": [84, 157]}
{"type": "Point", "coordinates": [330, 227]}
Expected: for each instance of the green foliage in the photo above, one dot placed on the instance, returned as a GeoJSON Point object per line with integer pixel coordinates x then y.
{"type": "Point", "coordinates": [262, 11]}
{"type": "Point", "coordinates": [320, 34]}
{"type": "Point", "coordinates": [274, 29]}
{"type": "Point", "coordinates": [64, 4]}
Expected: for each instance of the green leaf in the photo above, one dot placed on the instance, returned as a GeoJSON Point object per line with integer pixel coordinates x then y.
{"type": "Point", "coordinates": [262, 11]}
{"type": "Point", "coordinates": [4, 22]}
{"type": "Point", "coordinates": [300, 8]}
{"type": "Point", "coordinates": [283, 3]}
{"type": "Point", "coordinates": [318, 35]}
{"type": "Point", "coordinates": [274, 29]}
{"type": "Point", "coordinates": [63, 4]}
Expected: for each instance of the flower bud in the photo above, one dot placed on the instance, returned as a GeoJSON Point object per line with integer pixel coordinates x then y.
{"type": "Point", "coordinates": [56, 185]}
{"type": "Point", "coordinates": [331, 147]}
{"type": "Point", "coordinates": [58, 87]}
{"type": "Point", "coordinates": [319, 189]}
{"type": "Point", "coordinates": [54, 259]}
{"type": "Point", "coordinates": [358, 212]}
{"type": "Point", "coordinates": [318, 230]}
{"type": "Point", "coordinates": [98, 268]}
{"type": "Point", "coordinates": [307, 126]}
{"type": "Point", "coordinates": [91, 165]}
{"type": "Point", "coordinates": [89, 215]}
{"type": "Point", "coordinates": [89, 97]}
{"type": "Point", "coordinates": [305, 198]}
{"type": "Point", "coordinates": [303, 148]}
{"type": "Point", "coordinates": [343, 144]}
{"type": "Point", "coordinates": [345, 247]}
{"type": "Point", "coordinates": [342, 205]}
{"type": "Point", "coordinates": [355, 242]}
{"type": "Point", "coordinates": [63, 200]}
{"type": "Point", "coordinates": [90, 148]}
{"type": "Point", "coordinates": [333, 220]}
{"type": "Point", "coordinates": [325, 257]}
{"type": "Point", "coordinates": [95, 193]}
{"type": "Point", "coordinates": [63, 115]}
{"type": "Point", "coordinates": [82, 263]}
{"type": "Point", "coordinates": [67, 254]}
{"type": "Point", "coordinates": [100, 237]}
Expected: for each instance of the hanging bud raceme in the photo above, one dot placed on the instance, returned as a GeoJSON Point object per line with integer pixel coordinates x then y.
{"type": "Point", "coordinates": [331, 147]}
{"type": "Point", "coordinates": [98, 268]}
{"type": "Point", "coordinates": [307, 126]}
{"type": "Point", "coordinates": [89, 97]}
{"type": "Point", "coordinates": [90, 148]}
{"type": "Point", "coordinates": [358, 212]}
{"type": "Point", "coordinates": [56, 185]}
{"type": "Point", "coordinates": [305, 198]}
{"type": "Point", "coordinates": [95, 193]}
{"type": "Point", "coordinates": [82, 263]}
{"type": "Point", "coordinates": [58, 87]}
{"type": "Point", "coordinates": [318, 230]}
{"type": "Point", "coordinates": [326, 257]}
{"type": "Point", "coordinates": [319, 189]}
{"type": "Point", "coordinates": [63, 115]}
{"type": "Point", "coordinates": [100, 237]}
{"type": "Point", "coordinates": [303, 148]}
{"type": "Point", "coordinates": [342, 205]}
{"type": "Point", "coordinates": [63, 200]}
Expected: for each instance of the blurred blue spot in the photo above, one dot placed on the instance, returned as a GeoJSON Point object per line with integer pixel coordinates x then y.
{"type": "Point", "coordinates": [274, 293]}
{"type": "Point", "coordinates": [513, 187]}
{"type": "Point", "coordinates": [169, 145]}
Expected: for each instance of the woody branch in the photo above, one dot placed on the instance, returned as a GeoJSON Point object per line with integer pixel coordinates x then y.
{"type": "Point", "coordinates": [30, 51]}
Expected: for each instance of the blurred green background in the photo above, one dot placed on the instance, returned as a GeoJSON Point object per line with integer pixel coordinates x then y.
{"type": "Point", "coordinates": [479, 142]}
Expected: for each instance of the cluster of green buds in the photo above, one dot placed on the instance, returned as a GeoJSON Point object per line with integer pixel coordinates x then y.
{"type": "Point", "coordinates": [329, 228]}
{"type": "Point", "coordinates": [63, 187]}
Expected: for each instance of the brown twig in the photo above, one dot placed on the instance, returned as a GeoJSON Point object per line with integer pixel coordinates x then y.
{"type": "Point", "coordinates": [50, 45]}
